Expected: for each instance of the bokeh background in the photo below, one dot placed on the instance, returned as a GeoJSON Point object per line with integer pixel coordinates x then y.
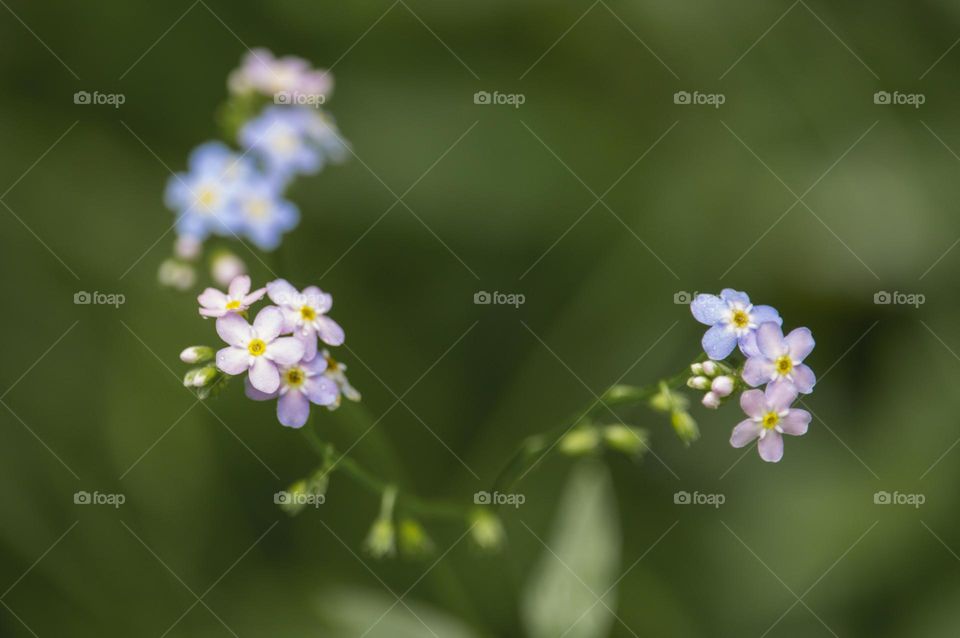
{"type": "Point", "coordinates": [797, 549]}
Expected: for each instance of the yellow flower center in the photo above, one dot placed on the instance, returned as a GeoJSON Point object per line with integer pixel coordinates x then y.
{"type": "Point", "coordinates": [770, 420]}
{"type": "Point", "coordinates": [740, 319]}
{"type": "Point", "coordinates": [294, 377]}
{"type": "Point", "coordinates": [256, 347]}
{"type": "Point", "coordinates": [233, 305]}
{"type": "Point", "coordinates": [308, 313]}
{"type": "Point", "coordinates": [207, 197]}
{"type": "Point", "coordinates": [258, 208]}
{"type": "Point", "coordinates": [784, 365]}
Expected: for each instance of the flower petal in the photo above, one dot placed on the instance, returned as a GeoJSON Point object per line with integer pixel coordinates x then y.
{"type": "Point", "coordinates": [745, 432]}
{"type": "Point", "coordinates": [212, 298]}
{"type": "Point", "coordinates": [281, 292]}
{"type": "Point", "coordinates": [293, 409]}
{"type": "Point", "coordinates": [762, 314]}
{"type": "Point", "coordinates": [211, 312]}
{"type": "Point", "coordinates": [795, 423]}
{"type": "Point", "coordinates": [748, 345]}
{"type": "Point", "coordinates": [254, 297]}
{"type": "Point", "coordinates": [309, 341]}
{"type": "Point", "coordinates": [770, 340]}
{"type": "Point", "coordinates": [753, 403]}
{"type": "Point", "coordinates": [264, 375]}
{"type": "Point", "coordinates": [254, 394]}
{"type": "Point", "coordinates": [234, 329]}
{"type": "Point", "coordinates": [779, 395]}
{"type": "Point", "coordinates": [233, 360]}
{"type": "Point", "coordinates": [268, 323]}
{"type": "Point", "coordinates": [803, 378]}
{"type": "Point", "coordinates": [314, 365]}
{"type": "Point", "coordinates": [330, 331]}
{"type": "Point", "coordinates": [718, 342]}
{"type": "Point", "coordinates": [321, 390]}
{"type": "Point", "coordinates": [286, 351]}
{"type": "Point", "coordinates": [757, 371]}
{"type": "Point", "coordinates": [771, 447]}
{"type": "Point", "coordinates": [733, 296]}
{"type": "Point", "coordinates": [708, 309]}
{"type": "Point", "coordinates": [239, 287]}
{"type": "Point", "coordinates": [800, 342]}
{"type": "Point", "coordinates": [321, 301]}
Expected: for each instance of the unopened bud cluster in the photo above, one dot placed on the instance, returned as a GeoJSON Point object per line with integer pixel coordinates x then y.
{"type": "Point", "coordinates": [717, 379]}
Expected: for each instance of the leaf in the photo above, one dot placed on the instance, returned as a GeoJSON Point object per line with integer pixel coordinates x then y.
{"type": "Point", "coordinates": [579, 564]}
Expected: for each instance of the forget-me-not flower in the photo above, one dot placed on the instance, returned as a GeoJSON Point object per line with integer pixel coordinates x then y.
{"type": "Point", "coordinates": [732, 319]}
{"type": "Point", "coordinates": [770, 417]}
{"type": "Point", "coordinates": [780, 359]}
{"type": "Point", "coordinates": [301, 384]}
{"type": "Point", "coordinates": [305, 314]}
{"type": "Point", "coordinates": [257, 348]}
{"type": "Point", "coordinates": [265, 214]}
{"type": "Point", "coordinates": [238, 298]}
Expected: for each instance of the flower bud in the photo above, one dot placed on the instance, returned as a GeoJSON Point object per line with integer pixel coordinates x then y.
{"type": "Point", "coordinates": [381, 541]}
{"type": "Point", "coordinates": [710, 368]}
{"type": "Point", "coordinates": [579, 441]}
{"type": "Point", "coordinates": [711, 400]}
{"type": "Point", "coordinates": [696, 368]}
{"type": "Point", "coordinates": [722, 386]}
{"type": "Point", "coordinates": [187, 247]}
{"type": "Point", "coordinates": [200, 377]}
{"type": "Point", "coordinates": [414, 541]}
{"type": "Point", "coordinates": [630, 441]}
{"type": "Point", "coordinates": [684, 425]}
{"type": "Point", "coordinates": [197, 354]}
{"type": "Point", "coordinates": [225, 267]}
{"type": "Point", "coordinates": [698, 383]}
{"type": "Point", "coordinates": [176, 274]}
{"type": "Point", "coordinates": [486, 530]}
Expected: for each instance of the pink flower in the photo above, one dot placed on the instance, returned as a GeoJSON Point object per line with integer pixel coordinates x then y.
{"type": "Point", "coordinates": [304, 315]}
{"type": "Point", "coordinates": [770, 417]}
{"type": "Point", "coordinates": [300, 385]}
{"type": "Point", "coordinates": [237, 299]}
{"type": "Point", "coordinates": [779, 359]}
{"type": "Point", "coordinates": [256, 348]}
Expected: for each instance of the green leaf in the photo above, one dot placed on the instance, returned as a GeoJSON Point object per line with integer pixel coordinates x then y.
{"type": "Point", "coordinates": [579, 564]}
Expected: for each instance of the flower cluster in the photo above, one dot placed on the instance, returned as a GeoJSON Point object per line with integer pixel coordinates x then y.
{"type": "Point", "coordinates": [770, 359]}
{"type": "Point", "coordinates": [278, 352]}
{"type": "Point", "coordinates": [240, 193]}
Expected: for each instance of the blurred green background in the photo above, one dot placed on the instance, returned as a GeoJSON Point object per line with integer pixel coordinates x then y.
{"type": "Point", "coordinates": [797, 549]}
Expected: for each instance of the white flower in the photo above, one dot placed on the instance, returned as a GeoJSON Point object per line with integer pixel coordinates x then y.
{"type": "Point", "coordinates": [237, 299]}
{"type": "Point", "coordinates": [304, 315]}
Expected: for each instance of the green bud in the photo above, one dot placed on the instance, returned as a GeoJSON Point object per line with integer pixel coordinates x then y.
{"type": "Point", "coordinates": [414, 541]}
{"type": "Point", "coordinates": [579, 441]}
{"type": "Point", "coordinates": [381, 541]}
{"type": "Point", "coordinates": [625, 439]}
{"type": "Point", "coordinates": [667, 401]}
{"type": "Point", "coordinates": [292, 501]}
{"type": "Point", "coordinates": [684, 425]}
{"type": "Point", "coordinates": [622, 394]}
{"type": "Point", "coordinates": [197, 354]}
{"type": "Point", "coordinates": [486, 530]}
{"type": "Point", "coordinates": [200, 377]}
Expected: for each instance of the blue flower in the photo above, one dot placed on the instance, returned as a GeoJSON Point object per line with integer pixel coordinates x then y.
{"type": "Point", "coordinates": [204, 197]}
{"type": "Point", "coordinates": [292, 140]}
{"type": "Point", "coordinates": [732, 320]}
{"type": "Point", "coordinates": [265, 214]}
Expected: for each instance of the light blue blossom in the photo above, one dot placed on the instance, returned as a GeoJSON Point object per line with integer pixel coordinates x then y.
{"type": "Point", "coordinates": [204, 197]}
{"type": "Point", "coordinates": [291, 140]}
{"type": "Point", "coordinates": [732, 320]}
{"type": "Point", "coordinates": [265, 214]}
